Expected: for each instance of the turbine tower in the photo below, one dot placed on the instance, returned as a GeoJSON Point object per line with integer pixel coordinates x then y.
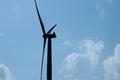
{"type": "Point", "coordinates": [46, 36]}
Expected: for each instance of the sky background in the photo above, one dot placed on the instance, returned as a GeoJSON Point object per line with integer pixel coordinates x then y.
{"type": "Point", "coordinates": [87, 46]}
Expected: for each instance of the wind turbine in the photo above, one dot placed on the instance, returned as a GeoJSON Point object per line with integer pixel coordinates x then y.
{"type": "Point", "coordinates": [46, 36]}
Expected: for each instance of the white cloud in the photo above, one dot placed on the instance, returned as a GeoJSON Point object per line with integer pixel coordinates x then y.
{"type": "Point", "coordinates": [70, 62]}
{"type": "Point", "coordinates": [5, 73]}
{"type": "Point", "coordinates": [92, 50]}
{"type": "Point", "coordinates": [67, 43]}
{"type": "Point", "coordinates": [89, 51]}
{"type": "Point", "coordinates": [112, 65]}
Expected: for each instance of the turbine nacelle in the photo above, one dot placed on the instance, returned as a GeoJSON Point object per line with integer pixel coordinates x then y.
{"type": "Point", "coordinates": [50, 35]}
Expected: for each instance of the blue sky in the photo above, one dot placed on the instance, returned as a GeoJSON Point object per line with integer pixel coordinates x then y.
{"type": "Point", "coordinates": [87, 46]}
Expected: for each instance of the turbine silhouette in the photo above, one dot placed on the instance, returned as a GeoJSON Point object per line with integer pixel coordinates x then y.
{"type": "Point", "coordinates": [46, 36]}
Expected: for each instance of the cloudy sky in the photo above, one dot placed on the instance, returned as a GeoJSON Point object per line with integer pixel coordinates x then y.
{"type": "Point", "coordinates": [87, 46]}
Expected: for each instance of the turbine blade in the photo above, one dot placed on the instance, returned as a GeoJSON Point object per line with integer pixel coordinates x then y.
{"type": "Point", "coordinates": [41, 23]}
{"type": "Point", "coordinates": [51, 29]}
{"type": "Point", "coordinates": [44, 43]}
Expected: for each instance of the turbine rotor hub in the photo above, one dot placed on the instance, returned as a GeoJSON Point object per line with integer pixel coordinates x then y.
{"type": "Point", "coordinates": [50, 35]}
